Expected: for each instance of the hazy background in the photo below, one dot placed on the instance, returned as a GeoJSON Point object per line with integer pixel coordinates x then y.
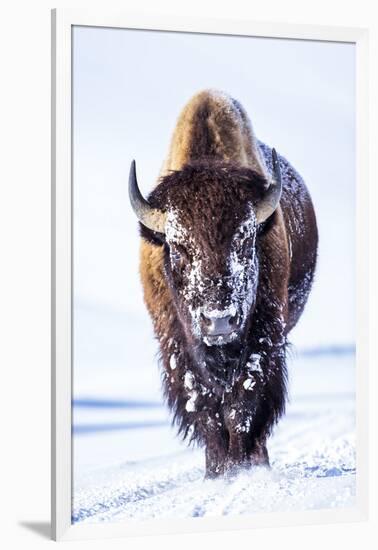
{"type": "Point", "coordinates": [128, 89]}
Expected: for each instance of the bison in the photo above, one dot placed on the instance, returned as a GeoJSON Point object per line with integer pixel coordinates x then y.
{"type": "Point", "coordinates": [228, 254]}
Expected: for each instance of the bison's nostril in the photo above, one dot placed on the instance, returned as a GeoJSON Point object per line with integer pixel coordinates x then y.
{"type": "Point", "coordinates": [234, 321]}
{"type": "Point", "coordinates": [205, 320]}
{"type": "Point", "coordinates": [213, 325]}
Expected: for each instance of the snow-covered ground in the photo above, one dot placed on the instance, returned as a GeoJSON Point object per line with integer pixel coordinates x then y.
{"type": "Point", "coordinates": [129, 464]}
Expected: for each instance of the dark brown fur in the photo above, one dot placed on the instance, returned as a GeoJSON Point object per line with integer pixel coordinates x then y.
{"type": "Point", "coordinates": [212, 191]}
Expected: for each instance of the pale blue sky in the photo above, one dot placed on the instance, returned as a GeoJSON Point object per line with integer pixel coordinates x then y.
{"type": "Point", "coordinates": [129, 87]}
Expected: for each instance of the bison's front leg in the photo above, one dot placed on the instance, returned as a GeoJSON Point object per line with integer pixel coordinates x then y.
{"type": "Point", "coordinates": [247, 451]}
{"type": "Point", "coordinates": [246, 447]}
{"type": "Point", "coordinates": [216, 457]}
{"type": "Point", "coordinates": [254, 405]}
{"type": "Point", "coordinates": [216, 441]}
{"type": "Point", "coordinates": [259, 454]}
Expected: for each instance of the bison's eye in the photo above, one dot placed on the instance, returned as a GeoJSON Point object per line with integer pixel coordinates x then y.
{"type": "Point", "coordinates": [243, 246]}
{"type": "Point", "coordinates": [175, 256]}
{"type": "Point", "coordinates": [247, 246]}
{"type": "Point", "coordinates": [178, 255]}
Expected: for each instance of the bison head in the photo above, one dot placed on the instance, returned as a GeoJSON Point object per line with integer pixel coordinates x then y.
{"type": "Point", "coordinates": [208, 217]}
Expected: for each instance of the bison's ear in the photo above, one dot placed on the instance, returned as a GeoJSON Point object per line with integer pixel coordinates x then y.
{"type": "Point", "coordinates": [265, 227]}
{"type": "Point", "coordinates": [153, 237]}
{"type": "Point", "coordinates": [272, 194]}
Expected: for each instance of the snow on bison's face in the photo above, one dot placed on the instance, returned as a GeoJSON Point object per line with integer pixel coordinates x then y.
{"type": "Point", "coordinates": [208, 217]}
{"type": "Point", "coordinates": [212, 273]}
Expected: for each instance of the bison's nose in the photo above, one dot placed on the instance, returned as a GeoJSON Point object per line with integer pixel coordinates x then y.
{"type": "Point", "coordinates": [219, 326]}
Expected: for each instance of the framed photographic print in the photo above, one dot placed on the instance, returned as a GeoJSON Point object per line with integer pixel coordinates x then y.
{"type": "Point", "coordinates": [209, 274]}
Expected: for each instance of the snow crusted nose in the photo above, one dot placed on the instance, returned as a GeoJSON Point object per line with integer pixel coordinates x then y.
{"type": "Point", "coordinates": [219, 326]}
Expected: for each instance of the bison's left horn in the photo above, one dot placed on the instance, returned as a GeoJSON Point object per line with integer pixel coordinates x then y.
{"type": "Point", "coordinates": [272, 196]}
{"type": "Point", "coordinates": [153, 218]}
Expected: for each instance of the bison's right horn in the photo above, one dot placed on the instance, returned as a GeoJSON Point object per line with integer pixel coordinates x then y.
{"type": "Point", "coordinates": [153, 218]}
{"type": "Point", "coordinates": [272, 196]}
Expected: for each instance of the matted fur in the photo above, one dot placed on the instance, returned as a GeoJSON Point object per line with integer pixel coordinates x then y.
{"type": "Point", "coordinates": [215, 170]}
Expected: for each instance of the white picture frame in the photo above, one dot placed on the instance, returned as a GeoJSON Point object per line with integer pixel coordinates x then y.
{"type": "Point", "coordinates": [62, 23]}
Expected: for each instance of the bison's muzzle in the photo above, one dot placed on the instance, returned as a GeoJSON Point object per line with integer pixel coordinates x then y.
{"type": "Point", "coordinates": [217, 329]}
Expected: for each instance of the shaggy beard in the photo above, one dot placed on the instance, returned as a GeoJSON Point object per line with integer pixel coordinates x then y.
{"type": "Point", "coordinates": [220, 364]}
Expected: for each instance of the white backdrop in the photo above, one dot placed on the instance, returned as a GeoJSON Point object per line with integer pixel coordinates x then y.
{"type": "Point", "coordinates": [25, 297]}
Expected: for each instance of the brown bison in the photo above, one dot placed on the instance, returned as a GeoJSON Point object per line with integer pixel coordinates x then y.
{"type": "Point", "coordinates": [228, 253]}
